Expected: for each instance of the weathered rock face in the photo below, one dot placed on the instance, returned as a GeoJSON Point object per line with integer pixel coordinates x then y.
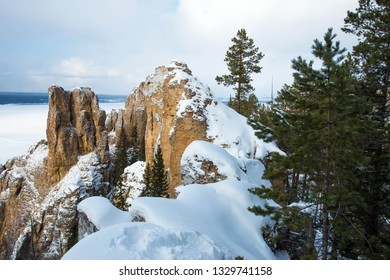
{"type": "Point", "coordinates": [38, 222]}
{"type": "Point", "coordinates": [39, 191]}
{"type": "Point", "coordinates": [18, 196]}
{"type": "Point", "coordinates": [168, 110]}
{"type": "Point", "coordinates": [75, 126]}
{"type": "Point", "coordinates": [55, 220]}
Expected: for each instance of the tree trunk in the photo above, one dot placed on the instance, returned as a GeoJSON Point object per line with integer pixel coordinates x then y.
{"type": "Point", "coordinates": [327, 183]}
{"type": "Point", "coordinates": [239, 97]}
{"type": "Point", "coordinates": [325, 231]}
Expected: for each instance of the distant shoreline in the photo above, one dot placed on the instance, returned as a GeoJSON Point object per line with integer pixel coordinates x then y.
{"type": "Point", "coordinates": [36, 98]}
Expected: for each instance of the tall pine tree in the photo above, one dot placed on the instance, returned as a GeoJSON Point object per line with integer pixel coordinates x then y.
{"type": "Point", "coordinates": [370, 22]}
{"type": "Point", "coordinates": [318, 121]}
{"type": "Point", "coordinates": [242, 60]}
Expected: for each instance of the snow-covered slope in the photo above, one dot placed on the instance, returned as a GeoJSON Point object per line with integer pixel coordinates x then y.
{"type": "Point", "coordinates": [230, 130]}
{"type": "Point", "coordinates": [204, 222]}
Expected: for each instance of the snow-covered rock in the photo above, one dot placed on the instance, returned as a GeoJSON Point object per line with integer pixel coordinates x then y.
{"type": "Point", "coordinates": [39, 192]}
{"type": "Point", "coordinates": [18, 196]}
{"type": "Point", "coordinates": [172, 108]}
{"type": "Point", "coordinates": [75, 126]}
{"type": "Point", "coordinates": [132, 183]}
{"type": "Point", "coordinates": [230, 130]}
{"type": "Point", "coordinates": [209, 221]}
{"type": "Point", "coordinates": [204, 162]}
{"type": "Point", "coordinates": [98, 213]}
{"type": "Point", "coordinates": [38, 222]}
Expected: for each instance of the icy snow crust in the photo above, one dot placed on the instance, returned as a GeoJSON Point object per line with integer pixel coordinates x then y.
{"type": "Point", "coordinates": [208, 221]}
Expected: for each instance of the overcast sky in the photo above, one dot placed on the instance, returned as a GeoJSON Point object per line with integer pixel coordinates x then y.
{"type": "Point", "coordinates": [111, 45]}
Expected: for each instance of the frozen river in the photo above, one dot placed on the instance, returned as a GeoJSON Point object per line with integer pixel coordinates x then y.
{"type": "Point", "coordinates": [24, 125]}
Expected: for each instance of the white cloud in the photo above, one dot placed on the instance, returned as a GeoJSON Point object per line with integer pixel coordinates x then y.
{"type": "Point", "coordinates": [113, 45]}
{"type": "Point", "coordinates": [282, 29]}
{"type": "Point", "coordinates": [81, 68]}
{"type": "Point", "coordinates": [73, 72]}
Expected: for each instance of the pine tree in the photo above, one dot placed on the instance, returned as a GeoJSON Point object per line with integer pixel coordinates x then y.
{"type": "Point", "coordinates": [121, 162]}
{"type": "Point", "coordinates": [250, 106]}
{"type": "Point", "coordinates": [159, 177]}
{"type": "Point", "coordinates": [318, 121]}
{"type": "Point", "coordinates": [133, 153]}
{"type": "Point", "coordinates": [156, 178]}
{"type": "Point", "coordinates": [121, 159]}
{"type": "Point", "coordinates": [242, 60]}
{"type": "Point", "coordinates": [370, 22]}
{"type": "Point", "coordinates": [147, 181]}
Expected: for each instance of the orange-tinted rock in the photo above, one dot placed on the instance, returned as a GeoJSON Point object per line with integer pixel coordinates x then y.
{"type": "Point", "coordinates": [75, 126]}
{"type": "Point", "coordinates": [158, 106]}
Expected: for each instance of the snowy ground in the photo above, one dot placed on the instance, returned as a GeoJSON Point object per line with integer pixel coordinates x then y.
{"type": "Point", "coordinates": [24, 125]}
{"type": "Point", "coordinates": [205, 222]}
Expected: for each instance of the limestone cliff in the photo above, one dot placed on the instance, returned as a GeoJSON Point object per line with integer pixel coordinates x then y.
{"type": "Point", "coordinates": [168, 111]}
{"type": "Point", "coordinates": [39, 191]}
{"type": "Point", "coordinates": [75, 126]}
{"type": "Point", "coordinates": [172, 108]}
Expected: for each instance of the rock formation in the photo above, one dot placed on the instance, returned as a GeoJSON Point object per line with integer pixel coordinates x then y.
{"type": "Point", "coordinates": [75, 126]}
{"type": "Point", "coordinates": [204, 162]}
{"type": "Point", "coordinates": [39, 191]}
{"type": "Point", "coordinates": [162, 108]}
{"type": "Point", "coordinates": [172, 108]}
{"type": "Point", "coordinates": [18, 195]}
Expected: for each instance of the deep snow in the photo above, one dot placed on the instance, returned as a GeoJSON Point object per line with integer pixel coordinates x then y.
{"type": "Point", "coordinates": [205, 222]}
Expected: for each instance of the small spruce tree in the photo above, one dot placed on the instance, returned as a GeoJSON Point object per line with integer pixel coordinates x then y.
{"type": "Point", "coordinates": [120, 163]}
{"type": "Point", "coordinates": [147, 181]}
{"type": "Point", "coordinates": [159, 177]}
{"type": "Point", "coordinates": [133, 153]}
{"type": "Point", "coordinates": [156, 177]}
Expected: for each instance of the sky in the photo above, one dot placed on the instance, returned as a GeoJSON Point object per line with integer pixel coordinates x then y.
{"type": "Point", "coordinates": [112, 45]}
